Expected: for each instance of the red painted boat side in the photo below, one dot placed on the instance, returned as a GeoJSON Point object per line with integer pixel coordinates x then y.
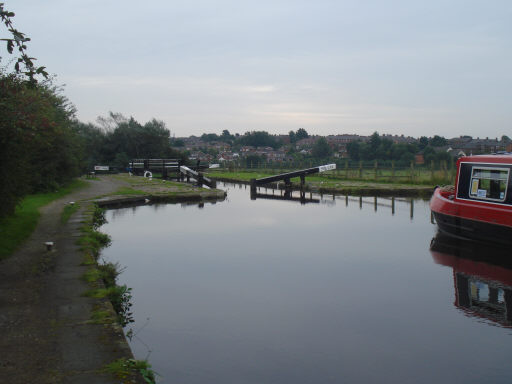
{"type": "Point", "coordinates": [482, 211]}
{"type": "Point", "coordinates": [474, 210]}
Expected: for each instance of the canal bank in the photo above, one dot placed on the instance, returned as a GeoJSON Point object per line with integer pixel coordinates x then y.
{"type": "Point", "coordinates": [48, 335]}
{"type": "Point", "coordinates": [343, 187]}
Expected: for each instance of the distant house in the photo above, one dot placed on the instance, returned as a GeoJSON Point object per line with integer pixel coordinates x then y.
{"type": "Point", "coordinates": [228, 156]}
{"type": "Point", "coordinates": [419, 159]}
{"type": "Point", "coordinates": [201, 156]}
{"type": "Point", "coordinates": [470, 146]}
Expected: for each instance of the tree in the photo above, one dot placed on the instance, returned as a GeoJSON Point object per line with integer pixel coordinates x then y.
{"type": "Point", "coordinates": [353, 149]}
{"type": "Point", "coordinates": [321, 149]}
{"type": "Point", "coordinates": [40, 148]}
{"type": "Point", "coordinates": [226, 137]}
{"type": "Point", "coordinates": [438, 141]}
{"type": "Point", "coordinates": [301, 134]}
{"type": "Point", "coordinates": [375, 141]}
{"type": "Point", "coordinates": [423, 142]}
{"type": "Point", "coordinates": [259, 139]}
{"type": "Point", "coordinates": [24, 64]}
{"type": "Point", "coordinates": [292, 136]}
{"type": "Point", "coordinates": [208, 137]}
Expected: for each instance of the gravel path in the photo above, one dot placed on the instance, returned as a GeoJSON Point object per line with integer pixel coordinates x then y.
{"type": "Point", "coordinates": [44, 334]}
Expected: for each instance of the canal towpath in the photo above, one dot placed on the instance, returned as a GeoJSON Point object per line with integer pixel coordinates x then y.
{"type": "Point", "coordinates": [46, 335]}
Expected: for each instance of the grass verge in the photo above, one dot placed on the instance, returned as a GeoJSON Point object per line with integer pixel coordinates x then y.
{"type": "Point", "coordinates": [68, 210]}
{"type": "Point", "coordinates": [124, 368]}
{"type": "Point", "coordinates": [14, 230]}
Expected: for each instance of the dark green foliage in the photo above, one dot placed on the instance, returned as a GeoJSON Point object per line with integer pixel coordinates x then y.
{"type": "Point", "coordinates": [254, 161]}
{"type": "Point", "coordinates": [301, 134]}
{"type": "Point", "coordinates": [379, 148]}
{"type": "Point", "coordinates": [226, 136]}
{"type": "Point", "coordinates": [438, 141]}
{"type": "Point", "coordinates": [40, 150]}
{"type": "Point", "coordinates": [118, 140]}
{"type": "Point", "coordinates": [177, 143]}
{"type": "Point", "coordinates": [123, 368]}
{"type": "Point", "coordinates": [24, 64]}
{"type": "Point", "coordinates": [209, 137]}
{"type": "Point", "coordinates": [98, 217]}
{"type": "Point", "coordinates": [109, 272]}
{"type": "Point", "coordinates": [120, 296]}
{"type": "Point", "coordinates": [321, 149]}
{"type": "Point", "coordinates": [259, 139]}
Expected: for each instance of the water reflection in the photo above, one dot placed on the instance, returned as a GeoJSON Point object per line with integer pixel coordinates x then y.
{"type": "Point", "coordinates": [284, 194]}
{"type": "Point", "coordinates": [304, 197]}
{"type": "Point", "coordinates": [482, 277]}
{"type": "Point", "coordinates": [272, 291]}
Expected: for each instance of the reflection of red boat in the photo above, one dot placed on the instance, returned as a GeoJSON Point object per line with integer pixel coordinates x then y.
{"type": "Point", "coordinates": [480, 205]}
{"type": "Point", "coordinates": [482, 288]}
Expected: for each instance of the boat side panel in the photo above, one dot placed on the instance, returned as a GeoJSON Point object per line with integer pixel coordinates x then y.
{"type": "Point", "coordinates": [473, 229]}
{"type": "Point", "coordinates": [488, 213]}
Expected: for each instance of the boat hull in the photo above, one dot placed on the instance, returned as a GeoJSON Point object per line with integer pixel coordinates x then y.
{"type": "Point", "coordinates": [473, 229]}
{"type": "Point", "coordinates": [476, 222]}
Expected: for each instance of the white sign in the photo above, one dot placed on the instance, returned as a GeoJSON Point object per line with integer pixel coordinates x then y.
{"type": "Point", "coordinates": [328, 167]}
{"type": "Point", "coordinates": [101, 167]}
{"type": "Point", "coordinates": [214, 165]}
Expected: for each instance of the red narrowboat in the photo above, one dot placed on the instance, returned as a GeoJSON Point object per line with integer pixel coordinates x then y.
{"type": "Point", "coordinates": [479, 207]}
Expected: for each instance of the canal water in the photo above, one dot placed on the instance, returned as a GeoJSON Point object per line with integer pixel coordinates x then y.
{"type": "Point", "coordinates": [338, 290]}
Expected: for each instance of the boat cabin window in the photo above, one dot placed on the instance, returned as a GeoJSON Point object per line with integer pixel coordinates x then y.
{"type": "Point", "coordinates": [489, 183]}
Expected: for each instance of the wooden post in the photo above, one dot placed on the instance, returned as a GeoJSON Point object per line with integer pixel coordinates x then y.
{"type": "Point", "coordinates": [253, 189]}
{"type": "Point", "coordinates": [375, 203]}
{"type": "Point", "coordinates": [392, 206]}
{"type": "Point", "coordinates": [178, 171]}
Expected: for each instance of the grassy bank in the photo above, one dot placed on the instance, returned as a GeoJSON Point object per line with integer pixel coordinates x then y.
{"type": "Point", "coordinates": [330, 182]}
{"type": "Point", "coordinates": [420, 177]}
{"type": "Point", "coordinates": [374, 173]}
{"type": "Point", "coordinates": [113, 301]}
{"type": "Point", "coordinates": [135, 190]}
{"type": "Point", "coordinates": [15, 229]}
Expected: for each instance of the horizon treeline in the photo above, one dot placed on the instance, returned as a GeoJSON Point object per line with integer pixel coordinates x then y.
{"type": "Point", "coordinates": [378, 147]}
{"type": "Point", "coordinates": [44, 146]}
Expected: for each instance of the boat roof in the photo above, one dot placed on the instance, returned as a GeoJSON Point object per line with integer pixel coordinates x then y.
{"type": "Point", "coordinates": [501, 158]}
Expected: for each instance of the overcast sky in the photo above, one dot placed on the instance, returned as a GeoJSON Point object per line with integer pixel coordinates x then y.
{"type": "Point", "coordinates": [402, 67]}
